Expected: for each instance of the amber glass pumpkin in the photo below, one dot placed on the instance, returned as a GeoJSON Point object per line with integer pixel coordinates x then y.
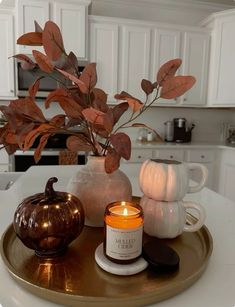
{"type": "Point", "coordinates": [47, 222]}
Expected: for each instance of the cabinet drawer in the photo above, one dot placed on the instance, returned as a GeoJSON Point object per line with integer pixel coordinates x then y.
{"type": "Point", "coordinates": [170, 154]}
{"type": "Point", "coordinates": [200, 156]}
{"type": "Point", "coordinates": [140, 155]}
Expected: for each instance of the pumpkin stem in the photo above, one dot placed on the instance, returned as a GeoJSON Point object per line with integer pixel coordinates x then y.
{"type": "Point", "coordinates": [49, 191]}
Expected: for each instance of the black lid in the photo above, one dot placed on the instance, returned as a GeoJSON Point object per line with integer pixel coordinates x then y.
{"type": "Point", "coordinates": [161, 257]}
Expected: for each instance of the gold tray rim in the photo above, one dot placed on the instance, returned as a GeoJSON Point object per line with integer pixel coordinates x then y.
{"type": "Point", "coordinates": [150, 297]}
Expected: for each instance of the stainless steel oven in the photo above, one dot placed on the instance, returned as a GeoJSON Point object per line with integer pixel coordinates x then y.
{"type": "Point", "coordinates": [20, 161]}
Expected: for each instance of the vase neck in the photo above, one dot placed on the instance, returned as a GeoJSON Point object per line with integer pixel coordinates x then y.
{"type": "Point", "coordinates": [96, 163]}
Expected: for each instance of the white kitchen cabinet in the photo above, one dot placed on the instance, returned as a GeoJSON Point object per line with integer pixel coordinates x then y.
{"type": "Point", "coordinates": [27, 11]}
{"type": "Point", "coordinates": [72, 20]}
{"type": "Point", "coordinates": [134, 59]}
{"type": "Point", "coordinates": [195, 62]}
{"type": "Point", "coordinates": [170, 154]}
{"type": "Point", "coordinates": [205, 157]}
{"type": "Point", "coordinates": [166, 46]}
{"type": "Point", "coordinates": [226, 178]}
{"type": "Point", "coordinates": [140, 155]}
{"type": "Point", "coordinates": [104, 44]}
{"type": "Point", "coordinates": [127, 52]}
{"type": "Point", "coordinates": [7, 83]}
{"type": "Point", "coordinates": [4, 161]}
{"type": "Point", "coordinates": [70, 16]}
{"type": "Point", "coordinates": [222, 60]}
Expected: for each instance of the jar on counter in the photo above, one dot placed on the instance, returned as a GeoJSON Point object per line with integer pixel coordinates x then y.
{"type": "Point", "coordinates": [123, 232]}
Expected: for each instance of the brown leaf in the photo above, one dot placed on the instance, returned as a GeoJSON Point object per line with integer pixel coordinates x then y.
{"type": "Point", "coordinates": [58, 120]}
{"type": "Point", "coordinates": [37, 27]}
{"type": "Point", "coordinates": [122, 144]}
{"type": "Point", "coordinates": [122, 95]}
{"type": "Point", "coordinates": [138, 125]}
{"type": "Point", "coordinates": [70, 64]}
{"type": "Point", "coordinates": [68, 104]}
{"type": "Point", "coordinates": [147, 86]}
{"type": "Point", "coordinates": [43, 61]}
{"type": "Point", "coordinates": [22, 132]}
{"type": "Point", "coordinates": [34, 88]}
{"type": "Point", "coordinates": [100, 100]}
{"type": "Point", "coordinates": [41, 145]}
{"type": "Point", "coordinates": [168, 70]}
{"type": "Point", "coordinates": [32, 135]}
{"type": "Point", "coordinates": [99, 118]}
{"type": "Point", "coordinates": [52, 41]}
{"type": "Point", "coordinates": [30, 39]}
{"type": "Point", "coordinates": [78, 143]}
{"type": "Point", "coordinates": [176, 86]}
{"type": "Point", "coordinates": [118, 110]}
{"type": "Point", "coordinates": [27, 108]}
{"type": "Point", "coordinates": [135, 104]}
{"type": "Point", "coordinates": [82, 86]}
{"type": "Point", "coordinates": [112, 161]}
{"type": "Point", "coordinates": [89, 76]}
{"type": "Point", "coordinates": [54, 95]}
{"type": "Point", "coordinates": [26, 62]}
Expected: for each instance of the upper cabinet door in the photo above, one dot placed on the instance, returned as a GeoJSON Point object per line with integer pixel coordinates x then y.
{"type": "Point", "coordinates": [135, 59]}
{"type": "Point", "coordinates": [26, 12]}
{"type": "Point", "coordinates": [222, 59]}
{"type": "Point", "coordinates": [166, 46]}
{"type": "Point", "coordinates": [7, 88]}
{"type": "Point", "coordinates": [104, 51]}
{"type": "Point", "coordinates": [72, 20]}
{"type": "Point", "coordinates": [196, 62]}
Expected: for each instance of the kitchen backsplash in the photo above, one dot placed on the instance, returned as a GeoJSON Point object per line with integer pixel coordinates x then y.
{"type": "Point", "coordinates": [210, 124]}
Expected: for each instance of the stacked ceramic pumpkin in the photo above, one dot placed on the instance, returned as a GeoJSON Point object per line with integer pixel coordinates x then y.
{"type": "Point", "coordinates": [164, 184]}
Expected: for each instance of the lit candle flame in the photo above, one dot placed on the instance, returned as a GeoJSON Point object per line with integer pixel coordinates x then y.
{"type": "Point", "coordinates": [125, 212]}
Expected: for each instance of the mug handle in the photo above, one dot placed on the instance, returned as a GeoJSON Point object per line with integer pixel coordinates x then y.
{"type": "Point", "coordinates": [201, 218]}
{"type": "Point", "coordinates": [201, 184]}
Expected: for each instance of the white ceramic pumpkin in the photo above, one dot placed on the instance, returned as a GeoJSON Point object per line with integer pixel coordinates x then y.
{"type": "Point", "coordinates": [168, 180]}
{"type": "Point", "coordinates": [168, 219]}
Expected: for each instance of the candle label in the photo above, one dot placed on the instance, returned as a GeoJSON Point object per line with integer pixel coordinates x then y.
{"type": "Point", "coordinates": [124, 244]}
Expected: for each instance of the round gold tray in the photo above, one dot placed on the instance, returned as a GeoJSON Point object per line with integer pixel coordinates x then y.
{"type": "Point", "coordinates": [76, 280]}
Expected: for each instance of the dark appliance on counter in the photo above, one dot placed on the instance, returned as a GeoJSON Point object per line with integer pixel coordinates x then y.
{"type": "Point", "coordinates": [182, 133]}
{"type": "Point", "coordinates": [20, 161]}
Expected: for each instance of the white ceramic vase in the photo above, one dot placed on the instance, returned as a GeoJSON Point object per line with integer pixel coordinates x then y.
{"type": "Point", "coordinates": [96, 189]}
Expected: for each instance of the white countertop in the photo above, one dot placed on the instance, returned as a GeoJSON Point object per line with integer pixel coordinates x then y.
{"type": "Point", "coordinates": [172, 145]}
{"type": "Point", "coordinates": [215, 288]}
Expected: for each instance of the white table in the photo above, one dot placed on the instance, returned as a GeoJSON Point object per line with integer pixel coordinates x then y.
{"type": "Point", "coordinates": [215, 288]}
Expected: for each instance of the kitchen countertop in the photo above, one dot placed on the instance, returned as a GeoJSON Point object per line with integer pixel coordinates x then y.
{"type": "Point", "coordinates": [214, 288]}
{"type": "Point", "coordinates": [169, 145]}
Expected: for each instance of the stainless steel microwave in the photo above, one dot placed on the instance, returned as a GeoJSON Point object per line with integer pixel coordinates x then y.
{"type": "Point", "coordinates": [25, 78]}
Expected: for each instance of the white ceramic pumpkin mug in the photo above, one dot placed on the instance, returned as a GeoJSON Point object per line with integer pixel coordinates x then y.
{"type": "Point", "coordinates": [168, 180]}
{"type": "Point", "coordinates": [168, 219]}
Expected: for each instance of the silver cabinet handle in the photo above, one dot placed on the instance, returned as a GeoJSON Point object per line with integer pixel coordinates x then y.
{"type": "Point", "coordinates": [139, 157]}
{"type": "Point", "coordinates": [171, 157]}
{"type": "Point", "coordinates": [202, 156]}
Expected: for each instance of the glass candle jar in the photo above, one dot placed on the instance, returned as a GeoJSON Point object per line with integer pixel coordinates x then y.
{"type": "Point", "coordinates": [123, 232]}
